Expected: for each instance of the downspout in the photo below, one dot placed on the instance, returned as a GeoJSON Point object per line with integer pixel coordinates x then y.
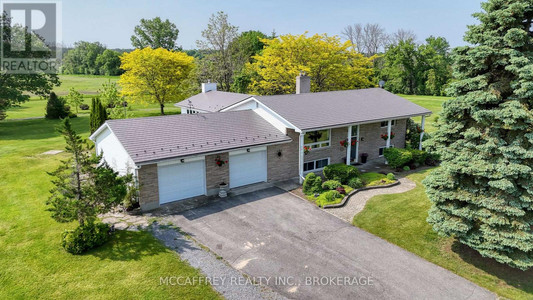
{"type": "Point", "coordinates": [301, 158]}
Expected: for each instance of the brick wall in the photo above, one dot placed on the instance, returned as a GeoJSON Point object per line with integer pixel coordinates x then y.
{"type": "Point", "coordinates": [335, 151]}
{"type": "Point", "coordinates": [149, 188]}
{"type": "Point", "coordinates": [215, 174]}
{"type": "Point", "coordinates": [285, 166]}
{"type": "Point", "coordinates": [371, 135]}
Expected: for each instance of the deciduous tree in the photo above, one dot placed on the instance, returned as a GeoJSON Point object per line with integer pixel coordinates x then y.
{"type": "Point", "coordinates": [332, 65]}
{"type": "Point", "coordinates": [483, 192]}
{"type": "Point", "coordinates": [155, 75]}
{"type": "Point", "coordinates": [155, 33]}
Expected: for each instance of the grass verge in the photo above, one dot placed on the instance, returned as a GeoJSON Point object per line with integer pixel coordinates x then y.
{"type": "Point", "coordinates": [33, 263]}
{"type": "Point", "coordinates": [401, 220]}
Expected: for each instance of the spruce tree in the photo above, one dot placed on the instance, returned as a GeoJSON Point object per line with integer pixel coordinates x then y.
{"type": "Point", "coordinates": [56, 108]}
{"type": "Point", "coordinates": [98, 114]}
{"type": "Point", "coordinates": [483, 192]}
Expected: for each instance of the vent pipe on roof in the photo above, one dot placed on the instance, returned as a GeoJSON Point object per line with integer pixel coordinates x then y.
{"type": "Point", "coordinates": [209, 86]}
{"type": "Point", "coordinates": [303, 84]}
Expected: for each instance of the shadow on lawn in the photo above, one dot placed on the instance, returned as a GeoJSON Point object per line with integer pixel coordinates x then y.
{"type": "Point", "coordinates": [513, 277]}
{"type": "Point", "coordinates": [129, 245]}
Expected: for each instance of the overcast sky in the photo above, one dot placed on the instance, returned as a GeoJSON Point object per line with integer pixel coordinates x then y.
{"type": "Point", "coordinates": [111, 22]}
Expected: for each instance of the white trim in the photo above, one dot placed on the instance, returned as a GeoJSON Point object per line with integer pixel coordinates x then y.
{"type": "Point", "coordinates": [357, 145]}
{"type": "Point", "coordinates": [256, 149]}
{"type": "Point", "coordinates": [314, 161]}
{"type": "Point", "coordinates": [301, 157]}
{"type": "Point", "coordinates": [178, 161]}
{"type": "Point", "coordinates": [318, 143]}
{"type": "Point", "coordinates": [367, 122]}
{"type": "Point", "coordinates": [349, 146]}
{"type": "Point", "coordinates": [422, 133]}
{"type": "Point", "coordinates": [389, 131]}
{"type": "Point", "coordinates": [243, 101]}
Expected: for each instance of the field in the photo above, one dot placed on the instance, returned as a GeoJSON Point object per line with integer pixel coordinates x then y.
{"type": "Point", "coordinates": [88, 86]}
{"type": "Point", "coordinates": [433, 103]}
{"type": "Point", "coordinates": [33, 263]}
{"type": "Point", "coordinates": [401, 219]}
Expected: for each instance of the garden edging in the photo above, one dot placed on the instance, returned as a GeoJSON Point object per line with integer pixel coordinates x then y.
{"type": "Point", "coordinates": [343, 202]}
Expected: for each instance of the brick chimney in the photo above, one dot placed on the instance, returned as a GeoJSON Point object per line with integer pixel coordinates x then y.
{"type": "Point", "coordinates": [303, 84]}
{"type": "Point", "coordinates": [209, 86]}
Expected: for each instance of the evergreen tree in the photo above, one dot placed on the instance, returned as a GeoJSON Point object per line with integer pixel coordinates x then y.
{"type": "Point", "coordinates": [483, 192]}
{"type": "Point", "coordinates": [82, 188]}
{"type": "Point", "coordinates": [56, 108]}
{"type": "Point", "coordinates": [98, 114]}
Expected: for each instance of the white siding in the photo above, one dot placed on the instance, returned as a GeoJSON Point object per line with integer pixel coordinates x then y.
{"type": "Point", "coordinates": [244, 106]}
{"type": "Point", "coordinates": [272, 119]}
{"type": "Point", "coordinates": [113, 152]}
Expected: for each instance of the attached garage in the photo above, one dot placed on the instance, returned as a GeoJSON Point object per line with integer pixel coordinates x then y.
{"type": "Point", "coordinates": [247, 167]}
{"type": "Point", "coordinates": [180, 181]}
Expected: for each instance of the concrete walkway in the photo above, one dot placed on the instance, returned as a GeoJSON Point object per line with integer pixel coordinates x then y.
{"type": "Point", "coordinates": [357, 202]}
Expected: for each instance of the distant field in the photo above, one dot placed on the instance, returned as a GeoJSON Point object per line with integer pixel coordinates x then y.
{"type": "Point", "coordinates": [433, 103]}
{"type": "Point", "coordinates": [85, 84]}
{"type": "Point", "coordinates": [89, 86]}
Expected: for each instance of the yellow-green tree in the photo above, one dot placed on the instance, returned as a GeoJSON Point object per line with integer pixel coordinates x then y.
{"type": "Point", "coordinates": [155, 75]}
{"type": "Point", "coordinates": [331, 64]}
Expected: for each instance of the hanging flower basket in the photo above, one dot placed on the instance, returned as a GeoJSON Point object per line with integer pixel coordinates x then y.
{"type": "Point", "coordinates": [344, 143]}
{"type": "Point", "coordinates": [220, 162]}
{"type": "Point", "coordinates": [385, 136]}
{"type": "Point", "coordinates": [306, 150]}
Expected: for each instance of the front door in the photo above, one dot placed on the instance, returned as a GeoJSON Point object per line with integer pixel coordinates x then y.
{"type": "Point", "coordinates": [353, 150]}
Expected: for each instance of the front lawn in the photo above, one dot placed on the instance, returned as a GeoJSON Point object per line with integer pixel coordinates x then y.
{"type": "Point", "coordinates": [374, 179]}
{"type": "Point", "coordinates": [401, 219]}
{"type": "Point", "coordinates": [34, 265]}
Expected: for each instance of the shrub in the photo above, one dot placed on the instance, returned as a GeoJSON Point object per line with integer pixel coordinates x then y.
{"type": "Point", "coordinates": [406, 168]}
{"type": "Point", "coordinates": [308, 183]}
{"type": "Point", "coordinates": [391, 176]}
{"type": "Point", "coordinates": [397, 158]}
{"type": "Point", "coordinates": [56, 107]}
{"type": "Point", "coordinates": [332, 195]}
{"type": "Point", "coordinates": [340, 172]}
{"type": "Point", "coordinates": [330, 185]}
{"type": "Point", "coordinates": [432, 159]}
{"type": "Point", "coordinates": [419, 156]}
{"type": "Point", "coordinates": [341, 190]}
{"type": "Point", "coordinates": [84, 106]}
{"type": "Point", "coordinates": [355, 183]}
{"type": "Point", "coordinates": [86, 237]}
{"type": "Point", "coordinates": [312, 184]}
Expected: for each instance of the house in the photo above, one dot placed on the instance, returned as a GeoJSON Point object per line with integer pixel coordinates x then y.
{"type": "Point", "coordinates": [252, 139]}
{"type": "Point", "coordinates": [209, 100]}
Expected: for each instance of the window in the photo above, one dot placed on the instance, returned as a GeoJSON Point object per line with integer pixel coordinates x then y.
{"type": "Point", "coordinates": [316, 164]}
{"type": "Point", "coordinates": [382, 149]}
{"type": "Point", "coordinates": [191, 111]}
{"type": "Point", "coordinates": [386, 123]}
{"type": "Point", "coordinates": [317, 139]}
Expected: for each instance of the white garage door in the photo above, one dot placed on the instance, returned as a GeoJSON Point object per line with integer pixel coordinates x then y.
{"type": "Point", "coordinates": [180, 181]}
{"type": "Point", "coordinates": [247, 168]}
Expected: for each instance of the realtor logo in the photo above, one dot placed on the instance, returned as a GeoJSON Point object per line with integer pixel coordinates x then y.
{"type": "Point", "coordinates": [30, 34]}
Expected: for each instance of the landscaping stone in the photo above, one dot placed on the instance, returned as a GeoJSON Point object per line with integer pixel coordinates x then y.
{"type": "Point", "coordinates": [52, 152]}
{"type": "Point", "coordinates": [357, 202]}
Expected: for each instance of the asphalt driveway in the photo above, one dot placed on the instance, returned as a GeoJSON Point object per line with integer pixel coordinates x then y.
{"type": "Point", "coordinates": [303, 252]}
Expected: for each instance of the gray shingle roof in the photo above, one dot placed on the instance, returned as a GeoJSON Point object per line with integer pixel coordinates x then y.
{"type": "Point", "coordinates": [156, 138]}
{"type": "Point", "coordinates": [328, 109]}
{"type": "Point", "coordinates": [212, 101]}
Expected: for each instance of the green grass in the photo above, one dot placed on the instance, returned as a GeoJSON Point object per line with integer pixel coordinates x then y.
{"type": "Point", "coordinates": [401, 219]}
{"type": "Point", "coordinates": [85, 84]}
{"type": "Point", "coordinates": [35, 108]}
{"type": "Point", "coordinates": [33, 263]}
{"type": "Point", "coordinates": [433, 103]}
{"type": "Point", "coordinates": [373, 179]}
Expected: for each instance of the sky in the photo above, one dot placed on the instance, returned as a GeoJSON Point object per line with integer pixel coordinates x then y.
{"type": "Point", "coordinates": [111, 22]}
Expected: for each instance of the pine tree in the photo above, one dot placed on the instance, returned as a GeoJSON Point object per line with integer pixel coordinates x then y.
{"type": "Point", "coordinates": [483, 192]}
{"type": "Point", "coordinates": [98, 114]}
{"type": "Point", "coordinates": [83, 188]}
{"type": "Point", "coordinates": [55, 107]}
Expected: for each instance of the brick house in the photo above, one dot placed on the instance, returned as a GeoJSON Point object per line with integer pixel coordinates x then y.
{"type": "Point", "coordinates": [240, 139]}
